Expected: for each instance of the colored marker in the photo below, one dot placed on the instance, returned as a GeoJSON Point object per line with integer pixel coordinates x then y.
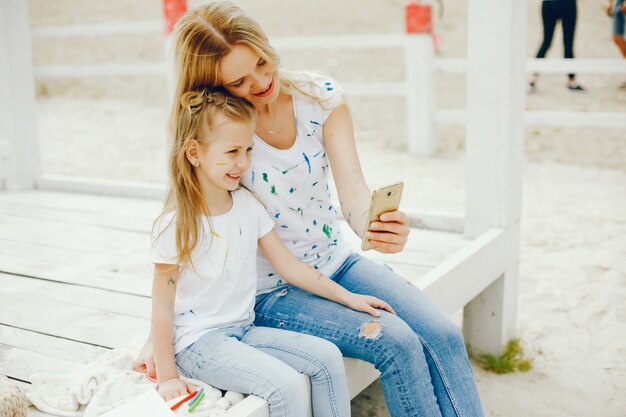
{"type": "Point", "coordinates": [197, 401]}
{"type": "Point", "coordinates": [196, 396]}
{"type": "Point", "coordinates": [187, 398]}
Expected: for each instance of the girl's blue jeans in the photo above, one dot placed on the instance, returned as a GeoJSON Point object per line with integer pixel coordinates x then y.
{"type": "Point", "coordinates": [420, 353]}
{"type": "Point", "coordinates": [268, 363]}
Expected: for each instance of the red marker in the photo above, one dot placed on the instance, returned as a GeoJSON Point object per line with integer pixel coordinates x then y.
{"type": "Point", "coordinates": [181, 402]}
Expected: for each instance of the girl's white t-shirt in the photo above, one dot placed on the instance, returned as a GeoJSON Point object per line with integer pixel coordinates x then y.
{"type": "Point", "coordinates": [219, 290]}
{"type": "Point", "coordinates": [293, 185]}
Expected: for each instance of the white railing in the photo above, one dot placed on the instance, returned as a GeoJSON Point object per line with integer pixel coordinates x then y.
{"type": "Point", "coordinates": [421, 67]}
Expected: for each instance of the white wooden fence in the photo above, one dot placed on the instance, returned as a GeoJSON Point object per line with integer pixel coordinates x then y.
{"type": "Point", "coordinates": [421, 68]}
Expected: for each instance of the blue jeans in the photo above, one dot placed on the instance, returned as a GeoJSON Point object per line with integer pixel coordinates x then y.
{"type": "Point", "coordinates": [618, 19]}
{"type": "Point", "coordinates": [267, 362]}
{"type": "Point", "coordinates": [420, 353]}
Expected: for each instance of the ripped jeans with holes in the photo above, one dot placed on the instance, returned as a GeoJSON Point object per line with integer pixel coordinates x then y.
{"type": "Point", "coordinates": [420, 353]}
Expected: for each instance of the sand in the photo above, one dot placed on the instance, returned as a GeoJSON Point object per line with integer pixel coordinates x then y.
{"type": "Point", "coordinates": [572, 290]}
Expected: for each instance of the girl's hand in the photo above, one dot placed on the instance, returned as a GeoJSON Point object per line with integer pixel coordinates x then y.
{"type": "Point", "coordinates": [367, 304]}
{"type": "Point", "coordinates": [174, 388]}
{"type": "Point", "coordinates": [390, 233]}
{"type": "Point", "coordinates": [144, 362]}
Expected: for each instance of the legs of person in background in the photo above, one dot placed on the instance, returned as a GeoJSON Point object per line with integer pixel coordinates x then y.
{"type": "Point", "coordinates": [551, 13]}
{"type": "Point", "coordinates": [569, 14]}
{"type": "Point", "coordinates": [549, 17]}
{"type": "Point", "coordinates": [618, 28]}
{"type": "Point", "coordinates": [620, 41]}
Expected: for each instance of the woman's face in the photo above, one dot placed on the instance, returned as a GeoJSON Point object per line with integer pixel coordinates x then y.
{"type": "Point", "coordinates": [245, 74]}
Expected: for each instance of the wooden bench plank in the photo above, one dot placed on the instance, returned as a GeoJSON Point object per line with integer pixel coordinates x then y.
{"type": "Point", "coordinates": [93, 316]}
{"type": "Point", "coordinates": [110, 301]}
{"type": "Point", "coordinates": [85, 238]}
{"type": "Point", "coordinates": [124, 273]}
{"type": "Point", "coordinates": [114, 212]}
{"type": "Point", "coordinates": [23, 363]}
{"type": "Point", "coordinates": [51, 346]}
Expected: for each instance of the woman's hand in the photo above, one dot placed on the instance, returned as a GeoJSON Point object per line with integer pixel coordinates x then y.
{"type": "Point", "coordinates": [390, 233]}
{"type": "Point", "coordinates": [367, 304]}
{"type": "Point", "coordinates": [174, 388]}
{"type": "Point", "coordinates": [144, 362]}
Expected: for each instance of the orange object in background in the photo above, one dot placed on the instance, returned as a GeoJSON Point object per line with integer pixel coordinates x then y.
{"type": "Point", "coordinates": [172, 10]}
{"type": "Point", "coordinates": [418, 17]}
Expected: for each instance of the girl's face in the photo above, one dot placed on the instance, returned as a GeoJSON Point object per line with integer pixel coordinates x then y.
{"type": "Point", "coordinates": [245, 74]}
{"type": "Point", "coordinates": [225, 156]}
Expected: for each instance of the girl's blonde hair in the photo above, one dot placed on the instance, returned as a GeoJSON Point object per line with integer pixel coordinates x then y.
{"type": "Point", "coordinates": [207, 33]}
{"type": "Point", "coordinates": [199, 116]}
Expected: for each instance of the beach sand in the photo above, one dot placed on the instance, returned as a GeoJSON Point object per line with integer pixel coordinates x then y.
{"type": "Point", "coordinates": [572, 289]}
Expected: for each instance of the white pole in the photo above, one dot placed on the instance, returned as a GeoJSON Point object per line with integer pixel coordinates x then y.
{"type": "Point", "coordinates": [420, 95]}
{"type": "Point", "coordinates": [494, 153]}
{"type": "Point", "coordinates": [18, 127]}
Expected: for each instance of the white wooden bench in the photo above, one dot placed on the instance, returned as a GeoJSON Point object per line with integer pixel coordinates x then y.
{"type": "Point", "coordinates": [74, 276]}
{"type": "Point", "coordinates": [75, 279]}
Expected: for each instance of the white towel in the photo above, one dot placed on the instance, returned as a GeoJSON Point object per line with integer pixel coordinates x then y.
{"type": "Point", "coordinates": [105, 384]}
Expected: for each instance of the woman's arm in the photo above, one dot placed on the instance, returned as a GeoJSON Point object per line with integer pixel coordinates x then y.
{"type": "Point", "coordinates": [303, 276]}
{"type": "Point", "coordinates": [162, 330]}
{"type": "Point", "coordinates": [390, 233]}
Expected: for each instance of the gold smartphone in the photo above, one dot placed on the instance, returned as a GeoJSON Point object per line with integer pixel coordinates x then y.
{"type": "Point", "coordinates": [383, 200]}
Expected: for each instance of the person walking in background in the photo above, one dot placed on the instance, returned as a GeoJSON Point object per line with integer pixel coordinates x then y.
{"type": "Point", "coordinates": [551, 12]}
{"type": "Point", "coordinates": [617, 10]}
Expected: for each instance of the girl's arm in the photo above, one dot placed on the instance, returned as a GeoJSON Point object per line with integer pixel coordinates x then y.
{"type": "Point", "coordinates": [144, 362]}
{"type": "Point", "coordinates": [303, 276]}
{"type": "Point", "coordinates": [162, 331]}
{"type": "Point", "coordinates": [390, 233]}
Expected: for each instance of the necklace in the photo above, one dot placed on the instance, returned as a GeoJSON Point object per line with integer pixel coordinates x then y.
{"type": "Point", "coordinates": [271, 130]}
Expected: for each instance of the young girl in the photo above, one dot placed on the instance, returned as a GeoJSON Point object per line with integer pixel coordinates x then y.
{"type": "Point", "coordinates": [204, 251]}
{"type": "Point", "coordinates": [303, 127]}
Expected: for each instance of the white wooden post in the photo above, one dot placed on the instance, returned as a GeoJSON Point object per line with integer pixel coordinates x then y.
{"type": "Point", "coordinates": [18, 128]}
{"type": "Point", "coordinates": [494, 152]}
{"type": "Point", "coordinates": [420, 97]}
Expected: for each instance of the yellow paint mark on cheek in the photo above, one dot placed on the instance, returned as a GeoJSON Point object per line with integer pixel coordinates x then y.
{"type": "Point", "coordinates": [219, 164]}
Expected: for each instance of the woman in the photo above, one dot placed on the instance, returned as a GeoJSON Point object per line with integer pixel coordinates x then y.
{"type": "Point", "coordinates": [303, 126]}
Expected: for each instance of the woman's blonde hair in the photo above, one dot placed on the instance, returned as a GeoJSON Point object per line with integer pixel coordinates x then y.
{"type": "Point", "coordinates": [207, 33]}
{"type": "Point", "coordinates": [201, 111]}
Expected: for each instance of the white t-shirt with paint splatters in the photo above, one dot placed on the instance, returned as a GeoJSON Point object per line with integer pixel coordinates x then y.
{"type": "Point", "coordinates": [293, 184]}
{"type": "Point", "coordinates": [219, 290]}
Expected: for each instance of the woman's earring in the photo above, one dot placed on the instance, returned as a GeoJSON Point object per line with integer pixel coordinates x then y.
{"type": "Point", "coordinates": [196, 163]}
